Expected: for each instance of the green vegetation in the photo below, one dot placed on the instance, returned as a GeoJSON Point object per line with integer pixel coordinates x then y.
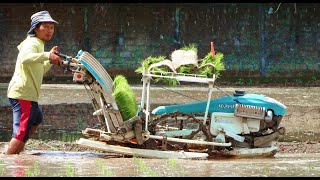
{"type": "Point", "coordinates": [173, 163]}
{"type": "Point", "coordinates": [105, 171]}
{"type": "Point", "coordinates": [125, 98]}
{"type": "Point", "coordinates": [145, 64]}
{"type": "Point", "coordinates": [208, 66]}
{"type": "Point", "coordinates": [191, 46]}
{"type": "Point", "coordinates": [34, 170]}
{"type": "Point", "coordinates": [216, 68]}
{"type": "Point", "coordinates": [2, 167]}
{"type": "Point", "coordinates": [171, 166]}
{"type": "Point", "coordinates": [175, 168]}
{"type": "Point", "coordinates": [156, 70]}
{"type": "Point", "coordinates": [70, 171]}
{"type": "Point", "coordinates": [142, 168]}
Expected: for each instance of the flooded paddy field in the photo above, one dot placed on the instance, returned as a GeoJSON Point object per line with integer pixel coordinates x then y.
{"type": "Point", "coordinates": [88, 164]}
{"type": "Point", "coordinates": [57, 156]}
{"type": "Point", "coordinates": [301, 120]}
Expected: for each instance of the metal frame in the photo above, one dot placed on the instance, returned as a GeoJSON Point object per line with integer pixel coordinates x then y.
{"type": "Point", "coordinates": [145, 102]}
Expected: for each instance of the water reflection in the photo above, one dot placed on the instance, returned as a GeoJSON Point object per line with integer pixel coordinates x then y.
{"type": "Point", "coordinates": [88, 165]}
{"type": "Point", "coordinates": [19, 169]}
{"type": "Point", "coordinates": [91, 164]}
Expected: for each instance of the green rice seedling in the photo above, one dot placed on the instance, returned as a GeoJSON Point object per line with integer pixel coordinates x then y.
{"type": "Point", "coordinates": [187, 69]}
{"type": "Point", "coordinates": [161, 70]}
{"type": "Point", "coordinates": [206, 67]}
{"type": "Point", "coordinates": [70, 171]}
{"type": "Point", "coordinates": [173, 163]}
{"type": "Point", "coordinates": [140, 164]}
{"type": "Point", "coordinates": [2, 167]}
{"type": "Point", "coordinates": [125, 98]}
{"type": "Point", "coordinates": [151, 173]}
{"type": "Point", "coordinates": [29, 173]}
{"type": "Point", "coordinates": [147, 62]}
{"type": "Point", "coordinates": [174, 166]}
{"type": "Point", "coordinates": [142, 167]}
{"type": "Point", "coordinates": [216, 62]}
{"type": "Point", "coordinates": [34, 170]}
{"type": "Point", "coordinates": [105, 171]}
{"type": "Point", "coordinates": [166, 81]}
{"type": "Point", "coordinates": [191, 46]}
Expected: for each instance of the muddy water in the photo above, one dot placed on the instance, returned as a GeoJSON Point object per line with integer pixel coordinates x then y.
{"type": "Point", "coordinates": [86, 164]}
{"type": "Point", "coordinates": [302, 122]}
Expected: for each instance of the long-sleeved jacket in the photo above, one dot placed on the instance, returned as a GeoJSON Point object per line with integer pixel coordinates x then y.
{"type": "Point", "coordinates": [32, 63]}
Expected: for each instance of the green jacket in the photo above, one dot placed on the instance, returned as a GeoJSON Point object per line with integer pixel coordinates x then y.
{"type": "Point", "coordinates": [32, 63]}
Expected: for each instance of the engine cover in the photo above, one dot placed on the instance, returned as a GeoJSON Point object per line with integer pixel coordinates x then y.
{"type": "Point", "coordinates": [231, 123]}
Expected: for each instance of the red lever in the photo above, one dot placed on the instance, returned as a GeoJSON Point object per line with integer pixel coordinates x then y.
{"type": "Point", "coordinates": [212, 50]}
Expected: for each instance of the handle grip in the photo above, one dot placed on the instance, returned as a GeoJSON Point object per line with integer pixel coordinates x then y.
{"type": "Point", "coordinates": [68, 58]}
{"type": "Point", "coordinates": [64, 56]}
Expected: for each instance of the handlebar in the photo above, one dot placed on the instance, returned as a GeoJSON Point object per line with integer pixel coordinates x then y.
{"type": "Point", "coordinates": [69, 61]}
{"type": "Point", "coordinates": [68, 58]}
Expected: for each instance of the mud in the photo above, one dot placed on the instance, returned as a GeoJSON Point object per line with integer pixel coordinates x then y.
{"type": "Point", "coordinates": [298, 155]}
{"type": "Point", "coordinates": [301, 121]}
{"type": "Point", "coordinates": [37, 163]}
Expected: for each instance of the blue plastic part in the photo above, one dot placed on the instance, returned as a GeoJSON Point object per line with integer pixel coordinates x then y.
{"type": "Point", "coordinates": [92, 71]}
{"type": "Point", "coordinates": [225, 104]}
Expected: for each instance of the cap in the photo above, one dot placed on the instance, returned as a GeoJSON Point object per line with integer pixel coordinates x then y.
{"type": "Point", "coordinates": [42, 16]}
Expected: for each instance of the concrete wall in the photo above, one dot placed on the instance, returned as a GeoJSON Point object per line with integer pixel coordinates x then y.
{"type": "Point", "coordinates": [120, 35]}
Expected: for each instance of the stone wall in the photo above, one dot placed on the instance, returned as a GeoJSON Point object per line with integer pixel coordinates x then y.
{"type": "Point", "coordinates": [121, 35]}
